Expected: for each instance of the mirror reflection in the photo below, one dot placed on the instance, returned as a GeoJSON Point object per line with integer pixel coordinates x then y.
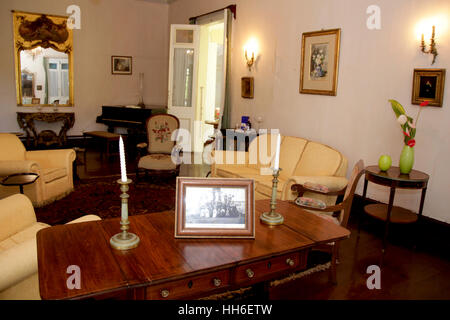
{"type": "Point", "coordinates": [45, 76]}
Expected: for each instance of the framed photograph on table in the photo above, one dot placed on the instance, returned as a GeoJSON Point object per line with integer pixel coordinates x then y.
{"type": "Point", "coordinates": [428, 85]}
{"type": "Point", "coordinates": [319, 62]}
{"type": "Point", "coordinates": [121, 65]}
{"type": "Point", "coordinates": [214, 208]}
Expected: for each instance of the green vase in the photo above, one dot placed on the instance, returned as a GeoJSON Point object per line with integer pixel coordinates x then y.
{"type": "Point", "coordinates": [406, 160]}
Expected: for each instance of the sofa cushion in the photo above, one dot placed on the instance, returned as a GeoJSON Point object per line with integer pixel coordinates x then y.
{"type": "Point", "coordinates": [290, 152]}
{"type": "Point", "coordinates": [52, 174]}
{"type": "Point", "coordinates": [318, 160]}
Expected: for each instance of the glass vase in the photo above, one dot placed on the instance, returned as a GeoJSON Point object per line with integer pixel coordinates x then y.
{"type": "Point", "coordinates": [406, 160]}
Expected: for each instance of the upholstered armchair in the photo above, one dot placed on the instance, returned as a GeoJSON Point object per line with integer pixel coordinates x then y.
{"type": "Point", "coordinates": [18, 250]}
{"type": "Point", "coordinates": [338, 213]}
{"type": "Point", "coordinates": [53, 166]}
{"type": "Point", "coordinates": [159, 153]}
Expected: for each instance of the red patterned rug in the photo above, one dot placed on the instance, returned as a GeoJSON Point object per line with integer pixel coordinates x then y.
{"type": "Point", "coordinates": [101, 196]}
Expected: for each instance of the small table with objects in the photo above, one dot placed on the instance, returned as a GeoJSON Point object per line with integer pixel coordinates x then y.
{"type": "Point", "coordinates": [393, 179]}
{"type": "Point", "coordinates": [19, 179]}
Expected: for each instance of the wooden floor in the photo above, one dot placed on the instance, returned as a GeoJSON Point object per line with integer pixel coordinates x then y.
{"type": "Point", "coordinates": [406, 273]}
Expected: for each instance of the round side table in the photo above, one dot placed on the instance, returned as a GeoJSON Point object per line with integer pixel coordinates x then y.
{"type": "Point", "coordinates": [393, 179]}
{"type": "Point", "coordinates": [19, 179]}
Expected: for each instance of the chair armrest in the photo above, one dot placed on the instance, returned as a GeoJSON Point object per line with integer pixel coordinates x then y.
{"type": "Point", "coordinates": [18, 263]}
{"type": "Point", "coordinates": [8, 167]}
{"type": "Point", "coordinates": [327, 185]}
{"type": "Point", "coordinates": [89, 217]}
{"type": "Point", "coordinates": [16, 214]}
{"type": "Point", "coordinates": [52, 158]}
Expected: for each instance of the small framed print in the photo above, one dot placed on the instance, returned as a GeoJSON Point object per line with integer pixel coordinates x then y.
{"type": "Point", "coordinates": [121, 65]}
{"type": "Point", "coordinates": [247, 87]}
{"type": "Point", "coordinates": [428, 85]}
{"type": "Point", "coordinates": [319, 62]}
{"type": "Point", "coordinates": [214, 208]}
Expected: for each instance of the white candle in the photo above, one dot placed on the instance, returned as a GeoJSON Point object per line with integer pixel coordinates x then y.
{"type": "Point", "coordinates": [277, 154]}
{"type": "Point", "coordinates": [123, 169]}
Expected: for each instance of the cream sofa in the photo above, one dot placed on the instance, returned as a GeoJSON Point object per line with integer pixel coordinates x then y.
{"type": "Point", "coordinates": [301, 161]}
{"type": "Point", "coordinates": [53, 166]}
{"type": "Point", "coordinates": [18, 251]}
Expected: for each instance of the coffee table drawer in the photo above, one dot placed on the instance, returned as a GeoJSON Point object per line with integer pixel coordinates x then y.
{"type": "Point", "coordinates": [257, 271]}
{"type": "Point", "coordinates": [189, 286]}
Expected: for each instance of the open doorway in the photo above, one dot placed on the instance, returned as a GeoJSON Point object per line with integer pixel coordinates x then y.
{"type": "Point", "coordinates": [197, 73]}
{"type": "Point", "coordinates": [210, 79]}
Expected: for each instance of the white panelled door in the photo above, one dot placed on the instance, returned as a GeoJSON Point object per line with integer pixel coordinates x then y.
{"type": "Point", "coordinates": [183, 62]}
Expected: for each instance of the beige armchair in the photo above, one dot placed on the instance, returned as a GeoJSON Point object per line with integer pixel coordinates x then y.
{"type": "Point", "coordinates": [53, 166]}
{"type": "Point", "coordinates": [18, 250]}
{"type": "Point", "coordinates": [158, 154]}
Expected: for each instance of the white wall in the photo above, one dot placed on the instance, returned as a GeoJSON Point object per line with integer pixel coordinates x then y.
{"type": "Point", "coordinates": [108, 27]}
{"type": "Point", "coordinates": [374, 66]}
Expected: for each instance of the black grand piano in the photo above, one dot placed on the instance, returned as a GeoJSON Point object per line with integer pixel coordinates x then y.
{"type": "Point", "coordinates": [128, 117]}
{"type": "Point", "coordinates": [132, 118]}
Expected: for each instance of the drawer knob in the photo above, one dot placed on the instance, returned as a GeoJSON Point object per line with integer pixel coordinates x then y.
{"type": "Point", "coordinates": [217, 282]}
{"type": "Point", "coordinates": [165, 293]}
{"type": "Point", "coordinates": [250, 273]}
{"type": "Point", "coordinates": [290, 262]}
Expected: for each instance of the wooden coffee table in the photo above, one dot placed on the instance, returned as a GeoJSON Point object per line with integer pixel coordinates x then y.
{"type": "Point", "coordinates": [163, 267]}
{"type": "Point", "coordinates": [19, 179]}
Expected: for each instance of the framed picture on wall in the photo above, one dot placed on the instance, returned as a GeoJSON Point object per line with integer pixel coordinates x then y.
{"type": "Point", "coordinates": [214, 208]}
{"type": "Point", "coordinates": [121, 65]}
{"type": "Point", "coordinates": [428, 85]}
{"type": "Point", "coordinates": [247, 87]}
{"type": "Point", "coordinates": [319, 62]}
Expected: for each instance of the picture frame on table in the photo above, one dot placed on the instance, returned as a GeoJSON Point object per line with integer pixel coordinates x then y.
{"type": "Point", "coordinates": [214, 208]}
{"type": "Point", "coordinates": [122, 65]}
{"type": "Point", "coordinates": [320, 62]}
{"type": "Point", "coordinates": [247, 87]}
{"type": "Point", "coordinates": [428, 85]}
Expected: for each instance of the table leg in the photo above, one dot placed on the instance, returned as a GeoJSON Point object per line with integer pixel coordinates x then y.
{"type": "Point", "coordinates": [363, 201]}
{"type": "Point", "coordinates": [419, 218]}
{"type": "Point", "coordinates": [21, 189]}
{"type": "Point", "coordinates": [388, 217]}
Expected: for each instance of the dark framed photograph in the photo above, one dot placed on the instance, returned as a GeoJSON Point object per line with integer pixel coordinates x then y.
{"type": "Point", "coordinates": [319, 62]}
{"type": "Point", "coordinates": [428, 85]}
{"type": "Point", "coordinates": [214, 208]}
{"type": "Point", "coordinates": [247, 87]}
{"type": "Point", "coordinates": [121, 65]}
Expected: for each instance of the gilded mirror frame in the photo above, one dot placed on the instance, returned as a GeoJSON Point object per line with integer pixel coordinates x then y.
{"type": "Point", "coordinates": [32, 30]}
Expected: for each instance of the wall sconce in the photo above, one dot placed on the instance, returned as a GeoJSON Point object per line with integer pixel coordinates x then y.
{"type": "Point", "coordinates": [250, 53]}
{"type": "Point", "coordinates": [432, 50]}
{"type": "Point", "coordinates": [250, 61]}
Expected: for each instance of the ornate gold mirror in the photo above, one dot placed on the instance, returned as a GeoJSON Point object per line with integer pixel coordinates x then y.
{"type": "Point", "coordinates": [43, 47]}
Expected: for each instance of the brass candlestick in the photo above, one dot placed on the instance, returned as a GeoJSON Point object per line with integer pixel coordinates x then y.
{"type": "Point", "coordinates": [273, 218]}
{"type": "Point", "coordinates": [124, 240]}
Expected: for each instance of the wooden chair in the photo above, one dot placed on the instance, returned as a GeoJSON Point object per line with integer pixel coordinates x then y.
{"type": "Point", "coordinates": [160, 153]}
{"type": "Point", "coordinates": [340, 212]}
